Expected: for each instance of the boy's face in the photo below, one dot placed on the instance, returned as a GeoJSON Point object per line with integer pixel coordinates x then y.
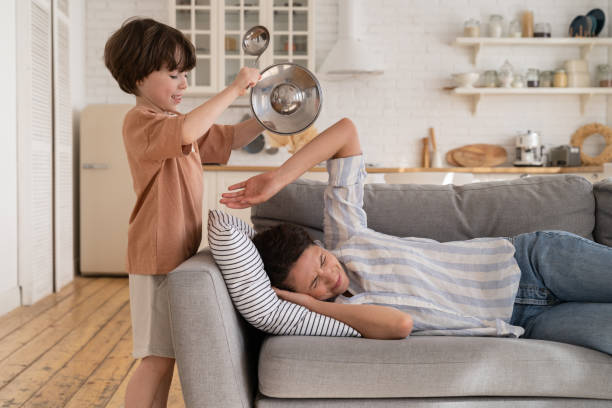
{"type": "Point", "coordinates": [318, 273]}
{"type": "Point", "coordinates": [163, 88]}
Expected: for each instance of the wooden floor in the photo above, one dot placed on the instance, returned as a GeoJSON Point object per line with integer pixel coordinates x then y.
{"type": "Point", "coordinates": [71, 349]}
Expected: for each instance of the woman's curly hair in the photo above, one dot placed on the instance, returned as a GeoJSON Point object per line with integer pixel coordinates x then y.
{"type": "Point", "coordinates": [280, 247]}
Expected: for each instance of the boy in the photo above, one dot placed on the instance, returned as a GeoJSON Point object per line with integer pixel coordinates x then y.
{"type": "Point", "coordinates": [165, 150]}
{"type": "Point", "coordinates": [538, 282]}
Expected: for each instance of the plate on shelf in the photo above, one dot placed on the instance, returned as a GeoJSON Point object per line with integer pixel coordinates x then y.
{"type": "Point", "coordinates": [591, 26]}
{"type": "Point", "coordinates": [579, 27]}
{"type": "Point", "coordinates": [600, 18]}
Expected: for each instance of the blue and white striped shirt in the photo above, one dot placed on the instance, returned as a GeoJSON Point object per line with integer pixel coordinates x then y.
{"type": "Point", "coordinates": [464, 288]}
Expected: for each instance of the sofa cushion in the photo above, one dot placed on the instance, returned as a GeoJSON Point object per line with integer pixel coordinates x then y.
{"type": "Point", "coordinates": [249, 287]}
{"type": "Point", "coordinates": [449, 213]}
{"type": "Point", "coordinates": [603, 216]}
{"type": "Point", "coordinates": [299, 367]}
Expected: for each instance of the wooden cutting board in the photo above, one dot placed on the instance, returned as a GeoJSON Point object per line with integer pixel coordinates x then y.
{"type": "Point", "coordinates": [477, 155]}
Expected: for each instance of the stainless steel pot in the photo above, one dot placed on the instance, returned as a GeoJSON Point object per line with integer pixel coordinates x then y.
{"type": "Point", "coordinates": [287, 99]}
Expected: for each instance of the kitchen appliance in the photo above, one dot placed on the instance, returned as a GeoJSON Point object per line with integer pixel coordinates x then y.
{"type": "Point", "coordinates": [287, 99]}
{"type": "Point", "coordinates": [565, 156]}
{"type": "Point", "coordinates": [529, 150]}
{"type": "Point", "coordinates": [106, 194]}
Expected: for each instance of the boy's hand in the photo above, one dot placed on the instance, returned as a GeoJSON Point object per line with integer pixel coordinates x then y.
{"type": "Point", "coordinates": [246, 78]}
{"type": "Point", "coordinates": [253, 191]}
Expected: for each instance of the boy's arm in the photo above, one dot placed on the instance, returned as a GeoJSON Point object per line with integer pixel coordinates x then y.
{"type": "Point", "coordinates": [198, 121]}
{"type": "Point", "coordinates": [245, 132]}
{"type": "Point", "coordinates": [372, 321]}
{"type": "Point", "coordinates": [339, 140]}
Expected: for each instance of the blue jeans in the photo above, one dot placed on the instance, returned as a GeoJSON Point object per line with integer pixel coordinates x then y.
{"type": "Point", "coordinates": [565, 291]}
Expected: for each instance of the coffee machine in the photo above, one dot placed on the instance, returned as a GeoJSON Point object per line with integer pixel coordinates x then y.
{"type": "Point", "coordinates": [529, 150]}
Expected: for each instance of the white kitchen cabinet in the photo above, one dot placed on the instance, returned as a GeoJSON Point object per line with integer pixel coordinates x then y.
{"type": "Point", "coordinates": [216, 29]}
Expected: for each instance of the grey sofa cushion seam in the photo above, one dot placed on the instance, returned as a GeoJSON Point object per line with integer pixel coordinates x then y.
{"type": "Point", "coordinates": [312, 360]}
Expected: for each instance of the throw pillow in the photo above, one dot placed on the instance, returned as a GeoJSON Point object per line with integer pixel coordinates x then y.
{"type": "Point", "coordinates": [229, 239]}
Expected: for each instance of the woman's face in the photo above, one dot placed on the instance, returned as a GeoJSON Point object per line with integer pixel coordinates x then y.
{"type": "Point", "coordinates": [318, 273]}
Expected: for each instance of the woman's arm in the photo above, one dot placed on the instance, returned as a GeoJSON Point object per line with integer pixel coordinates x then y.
{"type": "Point", "coordinates": [339, 140]}
{"type": "Point", "coordinates": [372, 321]}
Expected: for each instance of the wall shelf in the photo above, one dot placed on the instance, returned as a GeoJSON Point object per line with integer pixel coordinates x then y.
{"type": "Point", "coordinates": [585, 44]}
{"type": "Point", "coordinates": [478, 94]}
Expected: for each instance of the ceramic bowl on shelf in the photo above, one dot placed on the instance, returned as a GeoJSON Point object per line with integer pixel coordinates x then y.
{"type": "Point", "coordinates": [466, 79]}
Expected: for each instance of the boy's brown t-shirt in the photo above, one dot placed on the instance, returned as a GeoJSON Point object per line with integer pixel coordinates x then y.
{"type": "Point", "coordinates": [166, 222]}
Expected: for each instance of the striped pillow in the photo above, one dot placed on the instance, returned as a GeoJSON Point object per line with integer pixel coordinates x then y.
{"type": "Point", "coordinates": [229, 239]}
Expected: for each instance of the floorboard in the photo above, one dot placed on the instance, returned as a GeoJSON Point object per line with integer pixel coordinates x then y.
{"type": "Point", "coordinates": [71, 349]}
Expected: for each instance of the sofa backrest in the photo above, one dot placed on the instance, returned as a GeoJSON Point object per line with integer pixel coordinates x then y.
{"type": "Point", "coordinates": [449, 213]}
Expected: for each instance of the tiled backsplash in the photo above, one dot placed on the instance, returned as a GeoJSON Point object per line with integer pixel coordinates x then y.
{"type": "Point", "coordinates": [394, 111]}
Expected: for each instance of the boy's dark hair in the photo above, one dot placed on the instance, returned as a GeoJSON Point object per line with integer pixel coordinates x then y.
{"type": "Point", "coordinates": [143, 45]}
{"type": "Point", "coordinates": [279, 248]}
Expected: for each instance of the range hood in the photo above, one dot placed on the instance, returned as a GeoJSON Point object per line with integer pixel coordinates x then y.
{"type": "Point", "coordinates": [350, 56]}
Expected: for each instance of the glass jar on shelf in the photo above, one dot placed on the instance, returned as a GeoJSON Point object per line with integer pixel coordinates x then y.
{"type": "Point", "coordinates": [506, 75]}
{"type": "Point", "coordinates": [604, 75]}
{"type": "Point", "coordinates": [560, 79]}
{"type": "Point", "coordinates": [471, 28]}
{"type": "Point", "coordinates": [519, 81]}
{"type": "Point", "coordinates": [496, 26]}
{"type": "Point", "coordinates": [490, 79]}
{"type": "Point", "coordinates": [533, 78]}
{"type": "Point", "coordinates": [542, 30]}
{"type": "Point", "coordinates": [514, 29]}
{"type": "Point", "coordinates": [546, 79]}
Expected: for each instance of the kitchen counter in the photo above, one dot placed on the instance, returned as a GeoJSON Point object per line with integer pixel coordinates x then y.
{"type": "Point", "coordinates": [474, 170]}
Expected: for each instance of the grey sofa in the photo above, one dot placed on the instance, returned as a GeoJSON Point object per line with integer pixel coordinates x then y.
{"type": "Point", "coordinates": [224, 363]}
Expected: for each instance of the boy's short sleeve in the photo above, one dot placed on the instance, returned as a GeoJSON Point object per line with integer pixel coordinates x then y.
{"type": "Point", "coordinates": [215, 145]}
{"type": "Point", "coordinates": [155, 136]}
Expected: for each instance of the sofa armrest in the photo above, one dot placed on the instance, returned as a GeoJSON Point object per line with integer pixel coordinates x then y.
{"type": "Point", "coordinates": [216, 350]}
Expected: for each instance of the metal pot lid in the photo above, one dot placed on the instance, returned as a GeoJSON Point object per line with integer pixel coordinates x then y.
{"type": "Point", "coordinates": [287, 99]}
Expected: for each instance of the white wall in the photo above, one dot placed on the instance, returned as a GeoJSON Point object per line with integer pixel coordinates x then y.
{"type": "Point", "coordinates": [9, 292]}
{"type": "Point", "coordinates": [394, 111]}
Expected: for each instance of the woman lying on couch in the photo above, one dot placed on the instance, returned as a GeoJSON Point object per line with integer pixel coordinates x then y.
{"type": "Point", "coordinates": [550, 285]}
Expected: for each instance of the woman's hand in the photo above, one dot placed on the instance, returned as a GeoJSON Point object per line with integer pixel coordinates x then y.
{"type": "Point", "coordinates": [301, 299]}
{"type": "Point", "coordinates": [253, 191]}
{"type": "Point", "coordinates": [246, 78]}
